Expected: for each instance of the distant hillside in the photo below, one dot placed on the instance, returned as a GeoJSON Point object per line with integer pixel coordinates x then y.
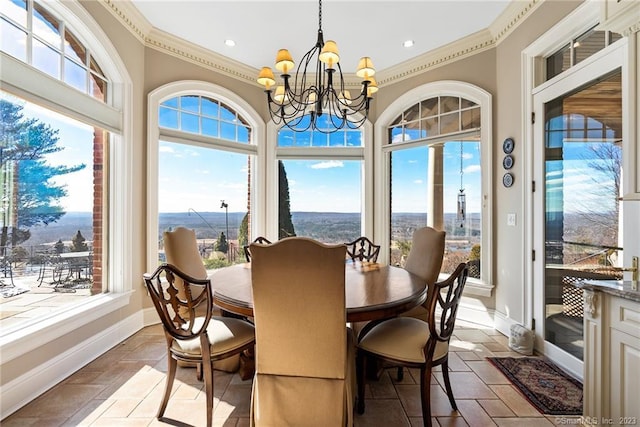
{"type": "Point", "coordinates": [325, 226]}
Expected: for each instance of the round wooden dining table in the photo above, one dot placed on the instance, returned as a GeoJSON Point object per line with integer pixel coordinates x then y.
{"type": "Point", "coordinates": [372, 291]}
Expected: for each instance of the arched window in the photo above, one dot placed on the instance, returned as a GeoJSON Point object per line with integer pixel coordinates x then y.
{"type": "Point", "coordinates": [435, 146]}
{"type": "Point", "coordinates": [321, 183]}
{"type": "Point", "coordinates": [39, 37]}
{"type": "Point", "coordinates": [65, 176]}
{"type": "Point", "coordinates": [202, 169]}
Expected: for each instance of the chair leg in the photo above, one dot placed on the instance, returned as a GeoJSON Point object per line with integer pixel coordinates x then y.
{"type": "Point", "coordinates": [425, 394]}
{"type": "Point", "coordinates": [447, 384]}
{"type": "Point", "coordinates": [400, 374]}
{"type": "Point", "coordinates": [171, 374]}
{"type": "Point", "coordinates": [208, 384]}
{"type": "Point", "coordinates": [360, 379]}
{"type": "Point", "coordinates": [199, 372]}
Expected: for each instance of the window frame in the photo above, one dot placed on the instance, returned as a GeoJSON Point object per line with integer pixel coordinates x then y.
{"type": "Point", "coordinates": [24, 81]}
{"type": "Point", "coordinates": [484, 286]}
{"type": "Point", "coordinates": [274, 153]}
{"type": "Point", "coordinates": [155, 132]}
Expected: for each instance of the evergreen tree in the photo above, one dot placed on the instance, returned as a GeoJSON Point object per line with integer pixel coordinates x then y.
{"type": "Point", "coordinates": [285, 225]}
{"type": "Point", "coordinates": [221, 244]}
{"type": "Point", "coordinates": [24, 143]}
{"type": "Point", "coordinates": [243, 231]}
{"type": "Point", "coordinates": [78, 243]}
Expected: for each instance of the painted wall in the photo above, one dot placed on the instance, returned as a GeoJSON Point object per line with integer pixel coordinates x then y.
{"type": "Point", "coordinates": [510, 258]}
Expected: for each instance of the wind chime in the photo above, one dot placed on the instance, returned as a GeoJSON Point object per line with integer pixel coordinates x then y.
{"type": "Point", "coordinates": [462, 202]}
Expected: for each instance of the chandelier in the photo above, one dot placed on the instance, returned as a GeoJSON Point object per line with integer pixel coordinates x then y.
{"type": "Point", "coordinates": [300, 104]}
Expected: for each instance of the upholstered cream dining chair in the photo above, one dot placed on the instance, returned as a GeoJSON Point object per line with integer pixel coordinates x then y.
{"type": "Point", "coordinates": [181, 250]}
{"type": "Point", "coordinates": [425, 260]}
{"type": "Point", "coordinates": [414, 343]}
{"type": "Point", "coordinates": [304, 351]}
{"type": "Point", "coordinates": [191, 338]}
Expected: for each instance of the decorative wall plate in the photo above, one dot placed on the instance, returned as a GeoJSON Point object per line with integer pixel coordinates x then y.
{"type": "Point", "coordinates": [508, 145]}
{"type": "Point", "coordinates": [507, 162]}
{"type": "Point", "coordinates": [507, 179]}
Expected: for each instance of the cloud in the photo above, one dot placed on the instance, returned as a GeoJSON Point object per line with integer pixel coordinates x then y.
{"type": "Point", "coordinates": [472, 169]}
{"type": "Point", "coordinates": [328, 164]}
{"type": "Point", "coordinates": [418, 181]}
{"type": "Point", "coordinates": [165, 149]}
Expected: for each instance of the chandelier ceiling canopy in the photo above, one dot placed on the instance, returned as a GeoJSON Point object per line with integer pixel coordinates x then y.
{"type": "Point", "coordinates": [301, 101]}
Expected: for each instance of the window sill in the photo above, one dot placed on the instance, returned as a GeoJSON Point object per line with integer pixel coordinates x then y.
{"type": "Point", "coordinates": [26, 339]}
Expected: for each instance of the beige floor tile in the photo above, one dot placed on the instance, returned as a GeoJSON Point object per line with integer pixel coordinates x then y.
{"type": "Point", "coordinates": [124, 387]}
{"type": "Point", "coordinates": [473, 335]}
{"type": "Point", "coordinates": [382, 412]}
{"type": "Point", "coordinates": [452, 422]}
{"type": "Point", "coordinates": [488, 373]}
{"type": "Point", "coordinates": [467, 385]}
{"type": "Point", "coordinates": [496, 408]}
{"type": "Point", "coordinates": [515, 401]}
{"type": "Point", "coordinates": [473, 413]}
{"type": "Point", "coordinates": [522, 422]}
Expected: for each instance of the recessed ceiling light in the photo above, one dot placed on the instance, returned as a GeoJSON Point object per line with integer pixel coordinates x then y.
{"type": "Point", "coordinates": [407, 43]}
{"type": "Point", "coordinates": [229, 42]}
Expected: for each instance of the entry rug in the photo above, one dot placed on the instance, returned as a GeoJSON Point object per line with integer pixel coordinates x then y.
{"type": "Point", "coordinates": [545, 385]}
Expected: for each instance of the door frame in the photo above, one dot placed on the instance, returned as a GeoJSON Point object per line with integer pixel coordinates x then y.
{"type": "Point", "coordinates": [534, 93]}
{"type": "Point", "coordinates": [601, 64]}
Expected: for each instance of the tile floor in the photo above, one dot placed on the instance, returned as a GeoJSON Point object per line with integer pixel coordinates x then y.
{"type": "Point", "coordinates": [124, 387]}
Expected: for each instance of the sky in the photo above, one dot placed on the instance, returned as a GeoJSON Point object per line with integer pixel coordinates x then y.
{"type": "Point", "coordinates": [193, 177]}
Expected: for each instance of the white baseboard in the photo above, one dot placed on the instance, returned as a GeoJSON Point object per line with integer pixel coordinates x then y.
{"type": "Point", "coordinates": [478, 315]}
{"type": "Point", "coordinates": [35, 382]}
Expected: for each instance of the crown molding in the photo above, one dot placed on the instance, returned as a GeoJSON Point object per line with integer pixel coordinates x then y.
{"type": "Point", "coordinates": [130, 17]}
{"type": "Point", "coordinates": [513, 15]}
{"type": "Point", "coordinates": [139, 26]}
{"type": "Point", "coordinates": [185, 50]}
{"type": "Point", "coordinates": [463, 48]}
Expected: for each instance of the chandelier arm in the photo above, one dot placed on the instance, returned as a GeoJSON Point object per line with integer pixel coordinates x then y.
{"type": "Point", "coordinates": [299, 107]}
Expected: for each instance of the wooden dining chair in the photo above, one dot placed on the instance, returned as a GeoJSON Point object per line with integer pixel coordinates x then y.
{"type": "Point", "coordinates": [414, 343]}
{"type": "Point", "coordinates": [363, 249]}
{"type": "Point", "coordinates": [259, 239]}
{"type": "Point", "coordinates": [192, 338]}
{"type": "Point", "coordinates": [181, 250]}
{"type": "Point", "coordinates": [304, 351]}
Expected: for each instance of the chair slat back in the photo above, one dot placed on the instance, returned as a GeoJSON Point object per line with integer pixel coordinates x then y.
{"type": "Point", "coordinates": [177, 309]}
{"type": "Point", "coordinates": [299, 308]}
{"type": "Point", "coordinates": [363, 249]}
{"type": "Point", "coordinates": [443, 299]}
{"type": "Point", "coordinates": [259, 239]}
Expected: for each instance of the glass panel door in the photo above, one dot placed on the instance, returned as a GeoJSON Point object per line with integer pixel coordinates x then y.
{"type": "Point", "coordinates": [582, 180]}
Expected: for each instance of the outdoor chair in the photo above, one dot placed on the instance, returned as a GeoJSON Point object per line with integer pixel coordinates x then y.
{"type": "Point", "coordinates": [7, 271]}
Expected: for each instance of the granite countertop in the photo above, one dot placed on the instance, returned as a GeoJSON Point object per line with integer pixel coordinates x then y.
{"type": "Point", "coordinates": [626, 289]}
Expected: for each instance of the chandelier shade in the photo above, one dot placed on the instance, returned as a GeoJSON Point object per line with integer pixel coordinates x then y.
{"type": "Point", "coordinates": [317, 88]}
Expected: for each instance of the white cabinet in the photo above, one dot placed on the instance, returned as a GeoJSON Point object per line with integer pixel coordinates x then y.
{"type": "Point", "coordinates": [624, 360]}
{"type": "Point", "coordinates": [611, 359]}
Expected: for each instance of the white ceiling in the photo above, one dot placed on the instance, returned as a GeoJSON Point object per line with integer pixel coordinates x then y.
{"type": "Point", "coordinates": [372, 28]}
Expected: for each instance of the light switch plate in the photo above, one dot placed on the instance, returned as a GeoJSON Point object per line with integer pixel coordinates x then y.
{"type": "Point", "coordinates": [511, 219]}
